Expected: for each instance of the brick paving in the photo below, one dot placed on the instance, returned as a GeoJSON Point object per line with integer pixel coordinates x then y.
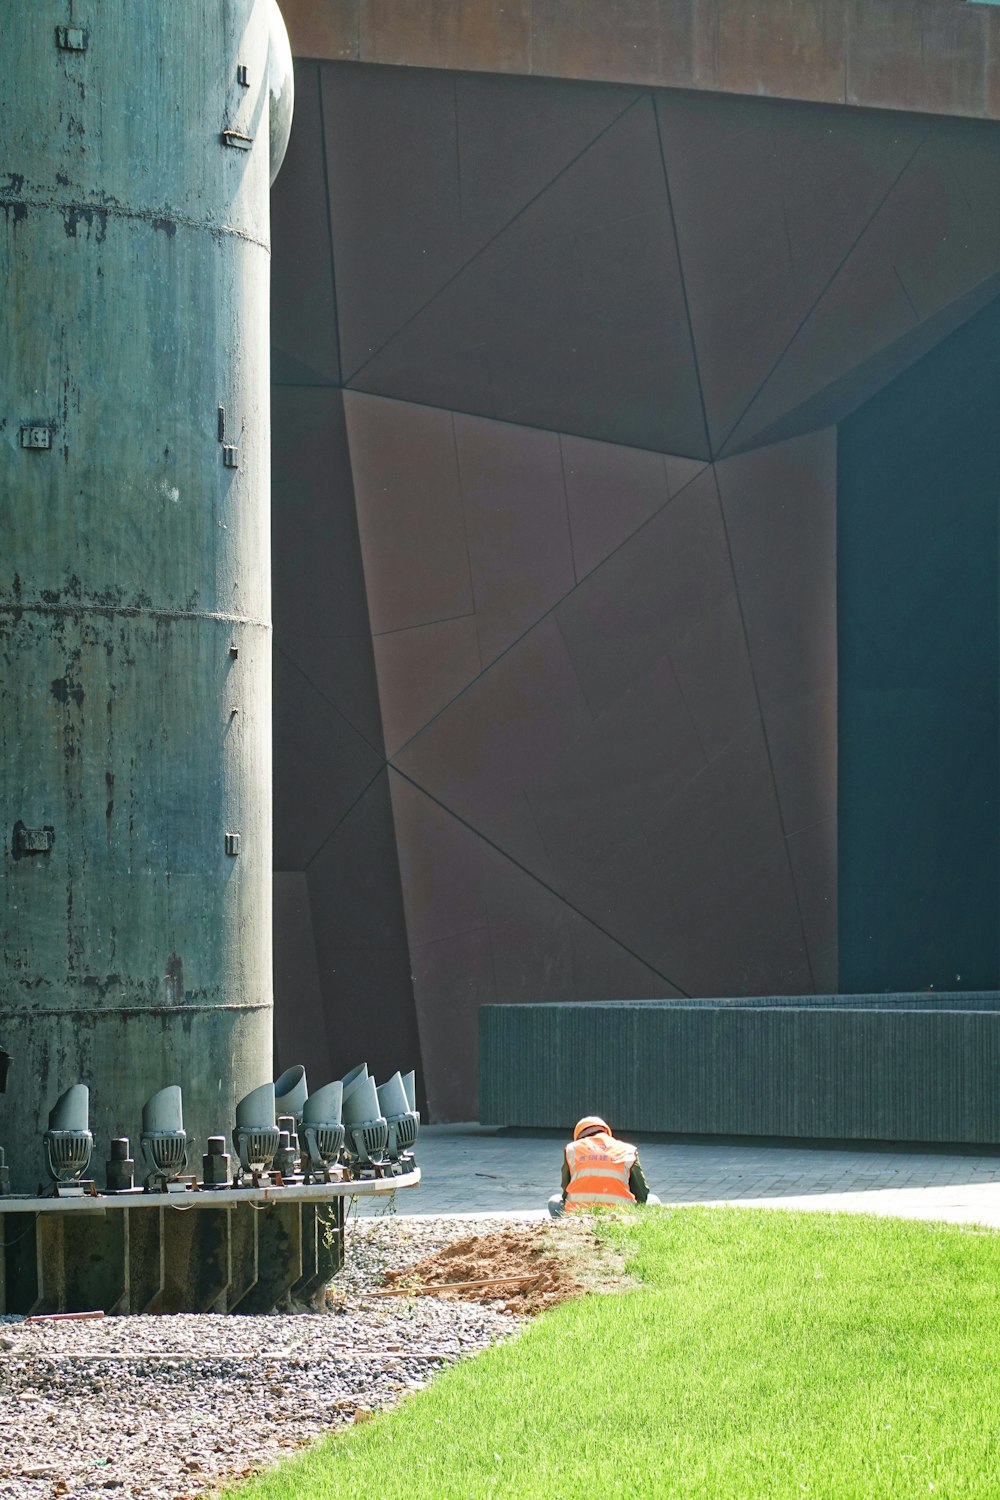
{"type": "Point", "coordinates": [469, 1170]}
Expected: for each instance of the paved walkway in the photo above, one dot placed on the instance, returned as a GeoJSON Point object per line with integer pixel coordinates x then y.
{"type": "Point", "coordinates": [469, 1170]}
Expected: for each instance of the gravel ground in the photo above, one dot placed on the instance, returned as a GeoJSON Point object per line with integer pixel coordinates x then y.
{"type": "Point", "coordinates": [171, 1406]}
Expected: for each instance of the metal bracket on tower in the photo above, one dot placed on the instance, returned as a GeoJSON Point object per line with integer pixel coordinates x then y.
{"type": "Point", "coordinates": [237, 138]}
{"type": "Point", "coordinates": [232, 843]}
{"type": "Point", "coordinates": [72, 38]}
{"type": "Point", "coordinates": [36, 436]}
{"type": "Point", "coordinates": [32, 840]}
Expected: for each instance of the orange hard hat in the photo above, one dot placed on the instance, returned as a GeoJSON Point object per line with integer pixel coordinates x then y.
{"type": "Point", "coordinates": [589, 1125]}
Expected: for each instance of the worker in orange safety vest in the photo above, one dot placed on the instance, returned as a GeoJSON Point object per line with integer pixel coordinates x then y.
{"type": "Point", "coordinates": [599, 1169]}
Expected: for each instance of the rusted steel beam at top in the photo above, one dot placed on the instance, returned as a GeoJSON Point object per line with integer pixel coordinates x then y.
{"type": "Point", "coordinates": [939, 56]}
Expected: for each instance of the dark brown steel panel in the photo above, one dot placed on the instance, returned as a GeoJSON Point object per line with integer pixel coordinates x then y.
{"type": "Point", "coordinates": [595, 803]}
{"type": "Point", "coordinates": [918, 55]}
{"type": "Point", "coordinates": [493, 34]}
{"type": "Point", "coordinates": [516, 719]}
{"type": "Point", "coordinates": [928, 236]}
{"type": "Point", "coordinates": [610, 492]}
{"type": "Point", "coordinates": [318, 596]}
{"type": "Point", "coordinates": [813, 852]}
{"type": "Point", "coordinates": [842, 397]}
{"type": "Point", "coordinates": [299, 1024]}
{"type": "Point", "coordinates": [780, 505]}
{"type": "Point", "coordinates": [354, 878]}
{"type": "Point", "coordinates": [768, 199]}
{"type": "Point", "coordinates": [712, 666]}
{"type": "Point", "coordinates": [713, 880]}
{"type": "Point", "coordinates": [952, 239]}
{"type": "Point", "coordinates": [420, 671]}
{"type": "Point", "coordinates": [410, 516]}
{"type": "Point", "coordinates": [451, 980]}
{"type": "Point", "coordinates": [395, 206]}
{"type": "Point", "coordinates": [604, 970]}
{"type": "Point", "coordinates": [321, 765]}
{"type": "Point", "coordinates": [440, 867]}
{"type": "Point", "coordinates": [623, 620]}
{"type": "Point", "coordinates": [573, 318]}
{"type": "Point", "coordinates": [369, 1012]}
{"type": "Point", "coordinates": [530, 935]}
{"type": "Point", "coordinates": [515, 135]}
{"type": "Point", "coordinates": [322, 28]}
{"type": "Point", "coordinates": [520, 553]}
{"type": "Point", "coordinates": [303, 313]}
{"type": "Point", "coordinates": [360, 936]}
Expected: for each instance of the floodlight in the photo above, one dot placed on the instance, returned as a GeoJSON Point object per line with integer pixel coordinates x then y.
{"type": "Point", "coordinates": [163, 1141]}
{"type": "Point", "coordinates": [367, 1131]}
{"type": "Point", "coordinates": [410, 1085]}
{"type": "Point", "coordinates": [256, 1137]}
{"type": "Point", "coordinates": [361, 1071]}
{"type": "Point", "coordinates": [290, 1090]}
{"type": "Point", "coordinates": [401, 1119]}
{"type": "Point", "coordinates": [322, 1132]}
{"type": "Point", "coordinates": [68, 1141]}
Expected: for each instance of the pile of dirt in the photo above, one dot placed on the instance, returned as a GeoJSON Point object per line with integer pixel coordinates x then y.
{"type": "Point", "coordinates": [540, 1275]}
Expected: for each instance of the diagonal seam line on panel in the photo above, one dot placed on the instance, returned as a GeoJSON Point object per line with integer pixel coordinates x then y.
{"type": "Point", "coordinates": [827, 286]}
{"type": "Point", "coordinates": [538, 881]}
{"type": "Point", "coordinates": [380, 635]}
{"type": "Point", "coordinates": [542, 617]}
{"type": "Point", "coordinates": [343, 818]}
{"type": "Point", "coordinates": [763, 729]}
{"type": "Point", "coordinates": [492, 239]}
{"type": "Point", "coordinates": [680, 270]}
{"type": "Point", "coordinates": [329, 219]}
{"type": "Point", "coordinates": [329, 701]}
{"type": "Point", "coordinates": [360, 390]}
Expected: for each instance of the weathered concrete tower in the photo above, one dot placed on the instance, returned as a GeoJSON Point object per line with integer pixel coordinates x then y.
{"type": "Point", "coordinates": [136, 147]}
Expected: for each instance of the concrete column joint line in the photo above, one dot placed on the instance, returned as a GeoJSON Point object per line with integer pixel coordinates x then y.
{"type": "Point", "coordinates": [148, 216]}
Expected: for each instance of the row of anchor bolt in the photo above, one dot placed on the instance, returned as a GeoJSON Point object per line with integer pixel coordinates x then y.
{"type": "Point", "coordinates": [351, 1128]}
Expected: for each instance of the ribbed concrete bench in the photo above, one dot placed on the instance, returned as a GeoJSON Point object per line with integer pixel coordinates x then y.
{"type": "Point", "coordinates": [854, 1067]}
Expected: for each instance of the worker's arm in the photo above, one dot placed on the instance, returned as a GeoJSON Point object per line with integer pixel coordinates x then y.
{"type": "Point", "coordinates": [565, 1177]}
{"type": "Point", "coordinates": [637, 1184]}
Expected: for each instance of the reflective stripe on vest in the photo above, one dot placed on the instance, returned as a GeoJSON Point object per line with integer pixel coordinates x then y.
{"type": "Point", "coordinates": [599, 1168]}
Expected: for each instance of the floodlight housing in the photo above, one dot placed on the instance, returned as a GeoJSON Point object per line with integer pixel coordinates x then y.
{"type": "Point", "coordinates": [402, 1120]}
{"type": "Point", "coordinates": [256, 1137]}
{"type": "Point", "coordinates": [367, 1131]}
{"type": "Point", "coordinates": [68, 1142]}
{"type": "Point", "coordinates": [290, 1092]}
{"type": "Point", "coordinates": [163, 1141]}
{"type": "Point", "coordinates": [321, 1135]}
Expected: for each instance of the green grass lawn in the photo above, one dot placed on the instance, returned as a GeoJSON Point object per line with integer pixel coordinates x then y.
{"type": "Point", "coordinates": [765, 1354]}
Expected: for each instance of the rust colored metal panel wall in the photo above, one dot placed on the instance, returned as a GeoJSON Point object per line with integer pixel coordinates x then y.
{"type": "Point", "coordinates": [938, 56]}
{"type": "Point", "coordinates": [595, 346]}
